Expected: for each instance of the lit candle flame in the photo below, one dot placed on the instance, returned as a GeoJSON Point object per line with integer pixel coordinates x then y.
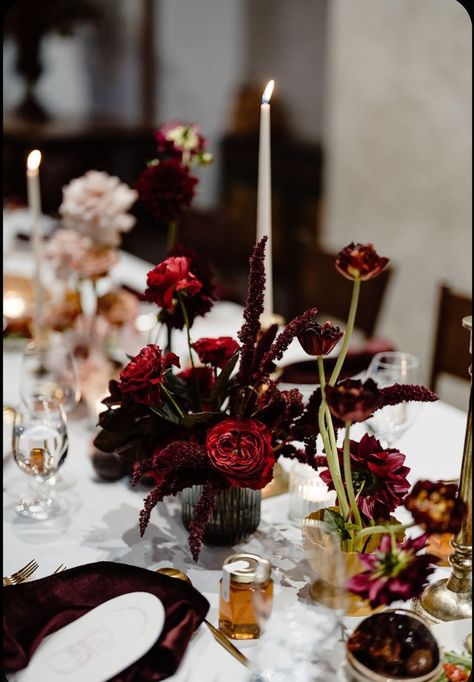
{"type": "Point", "coordinates": [267, 93]}
{"type": "Point", "coordinates": [33, 161]}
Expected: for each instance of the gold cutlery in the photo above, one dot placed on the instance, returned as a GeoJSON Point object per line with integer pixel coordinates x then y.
{"type": "Point", "coordinates": [60, 568]}
{"type": "Point", "coordinates": [218, 635]}
{"type": "Point", "coordinates": [21, 575]}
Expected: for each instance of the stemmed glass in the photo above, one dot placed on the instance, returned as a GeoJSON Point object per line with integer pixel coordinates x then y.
{"type": "Point", "coordinates": [40, 446]}
{"type": "Point", "coordinates": [390, 422]}
{"type": "Point", "coordinates": [50, 370]}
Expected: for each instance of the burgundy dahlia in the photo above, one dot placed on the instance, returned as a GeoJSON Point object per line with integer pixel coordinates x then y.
{"type": "Point", "coordinates": [319, 339]}
{"type": "Point", "coordinates": [436, 506]}
{"type": "Point", "coordinates": [379, 477]}
{"type": "Point", "coordinates": [354, 401]}
{"type": "Point", "coordinates": [141, 379]}
{"type": "Point", "coordinates": [166, 188]}
{"type": "Point", "coordinates": [360, 261]}
{"type": "Point", "coordinates": [216, 352]}
{"type": "Point", "coordinates": [394, 571]}
{"type": "Point", "coordinates": [169, 278]}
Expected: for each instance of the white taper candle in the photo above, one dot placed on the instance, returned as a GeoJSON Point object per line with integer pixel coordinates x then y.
{"type": "Point", "coordinates": [264, 195]}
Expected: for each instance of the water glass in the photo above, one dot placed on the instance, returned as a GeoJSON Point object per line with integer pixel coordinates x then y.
{"type": "Point", "coordinates": [40, 447]}
{"type": "Point", "coordinates": [389, 423]}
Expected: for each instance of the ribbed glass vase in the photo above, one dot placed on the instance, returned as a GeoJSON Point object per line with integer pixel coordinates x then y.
{"type": "Point", "coordinates": [236, 516]}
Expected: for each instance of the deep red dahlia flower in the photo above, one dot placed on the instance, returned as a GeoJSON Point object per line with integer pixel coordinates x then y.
{"type": "Point", "coordinates": [217, 352]}
{"type": "Point", "coordinates": [241, 450]}
{"type": "Point", "coordinates": [360, 261]}
{"type": "Point", "coordinates": [319, 339]}
{"type": "Point", "coordinates": [166, 188]}
{"type": "Point", "coordinates": [394, 572]}
{"type": "Point", "coordinates": [167, 279]}
{"type": "Point", "coordinates": [351, 400]}
{"type": "Point", "coordinates": [141, 379]}
{"type": "Point", "coordinates": [436, 506]}
{"type": "Point", "coordinates": [379, 477]}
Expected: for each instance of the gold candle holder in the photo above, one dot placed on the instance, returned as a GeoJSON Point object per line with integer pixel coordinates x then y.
{"type": "Point", "coordinates": [451, 599]}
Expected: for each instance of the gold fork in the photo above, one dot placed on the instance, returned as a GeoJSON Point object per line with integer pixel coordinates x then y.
{"type": "Point", "coordinates": [60, 568]}
{"type": "Point", "coordinates": [21, 575]}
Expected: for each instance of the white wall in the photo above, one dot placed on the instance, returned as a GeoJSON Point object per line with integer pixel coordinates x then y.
{"type": "Point", "coordinates": [398, 119]}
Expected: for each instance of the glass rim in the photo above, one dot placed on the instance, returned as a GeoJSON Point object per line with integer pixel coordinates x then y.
{"type": "Point", "coordinates": [378, 358]}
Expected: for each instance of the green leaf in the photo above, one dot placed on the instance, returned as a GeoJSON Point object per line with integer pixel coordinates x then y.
{"type": "Point", "coordinates": [190, 420]}
{"type": "Point", "coordinates": [336, 523]}
{"type": "Point", "coordinates": [167, 413]}
{"type": "Point", "coordinates": [219, 391]}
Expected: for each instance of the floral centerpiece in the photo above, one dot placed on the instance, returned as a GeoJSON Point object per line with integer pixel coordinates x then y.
{"type": "Point", "coordinates": [222, 422]}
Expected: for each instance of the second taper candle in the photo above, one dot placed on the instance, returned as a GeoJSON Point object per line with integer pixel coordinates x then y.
{"type": "Point", "coordinates": [264, 194]}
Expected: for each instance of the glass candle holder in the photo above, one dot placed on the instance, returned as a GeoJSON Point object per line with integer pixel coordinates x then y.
{"type": "Point", "coordinates": [308, 492]}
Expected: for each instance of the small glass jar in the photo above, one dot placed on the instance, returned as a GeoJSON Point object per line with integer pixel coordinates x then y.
{"type": "Point", "coordinates": [246, 594]}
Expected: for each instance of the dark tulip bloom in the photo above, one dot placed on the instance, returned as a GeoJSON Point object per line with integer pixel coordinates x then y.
{"type": "Point", "coordinates": [317, 339]}
{"type": "Point", "coordinates": [393, 573]}
{"type": "Point", "coordinates": [351, 400]}
{"type": "Point", "coordinates": [360, 261]}
{"type": "Point", "coordinates": [436, 506]}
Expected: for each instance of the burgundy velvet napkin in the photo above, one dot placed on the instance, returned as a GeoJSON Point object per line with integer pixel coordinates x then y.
{"type": "Point", "coordinates": [357, 360]}
{"type": "Point", "coordinates": [35, 609]}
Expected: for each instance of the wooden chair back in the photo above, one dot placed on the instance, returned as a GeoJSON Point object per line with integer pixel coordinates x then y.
{"type": "Point", "coordinates": [451, 345]}
{"type": "Point", "coordinates": [322, 286]}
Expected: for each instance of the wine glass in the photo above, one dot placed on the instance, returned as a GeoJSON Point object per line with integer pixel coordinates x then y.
{"type": "Point", "coordinates": [390, 422]}
{"type": "Point", "coordinates": [40, 447]}
{"type": "Point", "coordinates": [50, 370]}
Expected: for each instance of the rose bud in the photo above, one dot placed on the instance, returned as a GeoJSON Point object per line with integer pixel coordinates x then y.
{"type": "Point", "coordinates": [352, 400]}
{"type": "Point", "coordinates": [360, 261]}
{"type": "Point", "coordinates": [436, 507]}
{"type": "Point", "coordinates": [216, 352]}
{"type": "Point", "coordinates": [317, 339]}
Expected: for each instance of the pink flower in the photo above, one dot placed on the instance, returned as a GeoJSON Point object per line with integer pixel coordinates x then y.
{"type": "Point", "coordinates": [394, 571]}
{"type": "Point", "coordinates": [64, 248]}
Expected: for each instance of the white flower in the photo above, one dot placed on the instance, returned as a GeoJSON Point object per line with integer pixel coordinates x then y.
{"type": "Point", "coordinates": [64, 248]}
{"type": "Point", "coordinates": [96, 205]}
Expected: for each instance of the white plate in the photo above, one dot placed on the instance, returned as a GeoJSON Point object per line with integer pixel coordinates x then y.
{"type": "Point", "coordinates": [100, 644]}
{"type": "Point", "coordinates": [452, 635]}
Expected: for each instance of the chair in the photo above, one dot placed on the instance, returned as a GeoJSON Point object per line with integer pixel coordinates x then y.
{"type": "Point", "coordinates": [322, 286]}
{"type": "Point", "coordinates": [451, 345]}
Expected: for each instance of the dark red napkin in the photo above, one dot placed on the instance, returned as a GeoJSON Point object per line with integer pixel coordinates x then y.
{"type": "Point", "coordinates": [35, 609]}
{"type": "Point", "coordinates": [357, 360]}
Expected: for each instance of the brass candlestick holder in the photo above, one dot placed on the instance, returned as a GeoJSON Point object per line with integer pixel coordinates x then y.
{"type": "Point", "coordinates": [451, 599]}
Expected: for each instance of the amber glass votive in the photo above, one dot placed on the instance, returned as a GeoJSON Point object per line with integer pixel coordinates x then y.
{"type": "Point", "coordinates": [440, 546]}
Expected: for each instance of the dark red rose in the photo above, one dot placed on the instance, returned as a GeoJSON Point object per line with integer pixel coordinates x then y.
{"type": "Point", "coordinates": [216, 352]}
{"type": "Point", "coordinates": [436, 506]}
{"type": "Point", "coordinates": [319, 339]}
{"type": "Point", "coordinates": [379, 477]}
{"type": "Point", "coordinates": [393, 573]}
{"type": "Point", "coordinates": [241, 450]}
{"type": "Point", "coordinates": [166, 188]}
{"type": "Point", "coordinates": [169, 277]}
{"type": "Point", "coordinates": [141, 379]}
{"type": "Point", "coordinates": [205, 378]}
{"type": "Point", "coordinates": [351, 400]}
{"type": "Point", "coordinates": [360, 261]}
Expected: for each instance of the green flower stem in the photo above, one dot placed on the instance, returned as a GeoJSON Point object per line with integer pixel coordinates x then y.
{"type": "Point", "coordinates": [348, 332]}
{"type": "Point", "coordinates": [188, 334]}
{"type": "Point", "coordinates": [172, 401]}
{"type": "Point", "coordinates": [373, 530]}
{"type": "Point", "coordinates": [331, 454]}
{"type": "Point", "coordinates": [348, 476]}
{"type": "Point", "coordinates": [172, 234]}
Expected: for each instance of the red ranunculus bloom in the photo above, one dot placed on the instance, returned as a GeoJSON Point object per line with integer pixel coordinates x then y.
{"type": "Point", "coordinates": [393, 574]}
{"type": "Point", "coordinates": [141, 379]}
{"type": "Point", "coordinates": [216, 352]}
{"type": "Point", "coordinates": [360, 261]}
{"type": "Point", "coordinates": [379, 477]}
{"type": "Point", "coordinates": [319, 339]}
{"type": "Point", "coordinates": [436, 506]}
{"type": "Point", "coordinates": [351, 400]}
{"type": "Point", "coordinates": [166, 188]}
{"type": "Point", "coordinates": [241, 450]}
{"type": "Point", "coordinates": [168, 278]}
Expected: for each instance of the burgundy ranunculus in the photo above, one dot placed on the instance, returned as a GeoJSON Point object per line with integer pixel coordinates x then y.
{"type": "Point", "coordinates": [205, 379]}
{"type": "Point", "coordinates": [216, 352]}
{"type": "Point", "coordinates": [436, 506]}
{"type": "Point", "coordinates": [168, 278]}
{"type": "Point", "coordinates": [141, 379]}
{"type": "Point", "coordinates": [166, 188]}
{"type": "Point", "coordinates": [241, 450]}
{"type": "Point", "coordinates": [393, 574]}
{"type": "Point", "coordinates": [360, 261]}
{"type": "Point", "coordinates": [379, 477]}
{"type": "Point", "coordinates": [351, 400]}
{"type": "Point", "coordinates": [319, 339]}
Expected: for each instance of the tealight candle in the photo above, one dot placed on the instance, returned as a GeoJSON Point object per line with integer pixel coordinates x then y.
{"type": "Point", "coordinates": [308, 492]}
